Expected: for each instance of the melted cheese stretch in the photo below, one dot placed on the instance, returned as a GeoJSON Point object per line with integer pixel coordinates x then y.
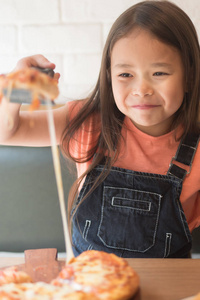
{"type": "Point", "coordinates": [58, 174]}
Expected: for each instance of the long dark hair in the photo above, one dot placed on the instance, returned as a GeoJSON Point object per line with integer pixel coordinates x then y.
{"type": "Point", "coordinates": [170, 25]}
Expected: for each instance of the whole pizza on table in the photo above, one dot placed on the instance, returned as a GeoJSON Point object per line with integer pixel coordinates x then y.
{"type": "Point", "coordinates": [91, 275]}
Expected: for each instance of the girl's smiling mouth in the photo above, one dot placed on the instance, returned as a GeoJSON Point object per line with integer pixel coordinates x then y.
{"type": "Point", "coordinates": [144, 106]}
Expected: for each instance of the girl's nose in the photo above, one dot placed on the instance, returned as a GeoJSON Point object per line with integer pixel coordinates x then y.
{"type": "Point", "coordinates": [142, 88]}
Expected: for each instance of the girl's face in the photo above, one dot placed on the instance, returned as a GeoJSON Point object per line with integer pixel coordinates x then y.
{"type": "Point", "coordinates": [147, 81]}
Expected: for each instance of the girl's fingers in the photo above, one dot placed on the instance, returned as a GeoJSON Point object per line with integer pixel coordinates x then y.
{"type": "Point", "coordinates": [34, 61]}
{"type": "Point", "coordinates": [40, 61]}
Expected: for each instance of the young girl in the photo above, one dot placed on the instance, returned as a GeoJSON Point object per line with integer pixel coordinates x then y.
{"type": "Point", "coordinates": [134, 140]}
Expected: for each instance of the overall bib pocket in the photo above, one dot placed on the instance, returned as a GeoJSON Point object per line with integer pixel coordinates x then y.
{"type": "Point", "coordinates": [137, 212]}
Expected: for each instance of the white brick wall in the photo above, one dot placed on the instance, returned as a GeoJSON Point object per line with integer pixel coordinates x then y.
{"type": "Point", "coordinates": [70, 33]}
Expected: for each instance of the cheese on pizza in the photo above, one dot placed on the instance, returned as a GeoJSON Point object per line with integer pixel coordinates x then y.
{"type": "Point", "coordinates": [41, 291]}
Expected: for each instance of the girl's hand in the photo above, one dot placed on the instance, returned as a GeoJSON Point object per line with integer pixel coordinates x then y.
{"type": "Point", "coordinates": [36, 61]}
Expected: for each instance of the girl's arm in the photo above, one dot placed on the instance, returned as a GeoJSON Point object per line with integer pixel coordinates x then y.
{"type": "Point", "coordinates": [22, 128]}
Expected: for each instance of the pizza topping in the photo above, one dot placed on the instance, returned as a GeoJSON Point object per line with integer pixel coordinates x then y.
{"type": "Point", "coordinates": [13, 275]}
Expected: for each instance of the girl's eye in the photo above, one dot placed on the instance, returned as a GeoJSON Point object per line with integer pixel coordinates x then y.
{"type": "Point", "coordinates": [125, 75]}
{"type": "Point", "coordinates": [159, 74]}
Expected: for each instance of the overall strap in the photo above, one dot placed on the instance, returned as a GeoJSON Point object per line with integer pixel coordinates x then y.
{"type": "Point", "coordinates": [184, 155]}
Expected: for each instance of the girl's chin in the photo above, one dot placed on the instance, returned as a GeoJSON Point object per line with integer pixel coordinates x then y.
{"type": "Point", "coordinates": [152, 128]}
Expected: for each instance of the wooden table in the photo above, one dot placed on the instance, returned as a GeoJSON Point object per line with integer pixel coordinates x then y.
{"type": "Point", "coordinates": [161, 279]}
{"type": "Point", "coordinates": [167, 279]}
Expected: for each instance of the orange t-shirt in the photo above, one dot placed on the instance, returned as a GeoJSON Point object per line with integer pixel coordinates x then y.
{"type": "Point", "coordinates": [144, 153]}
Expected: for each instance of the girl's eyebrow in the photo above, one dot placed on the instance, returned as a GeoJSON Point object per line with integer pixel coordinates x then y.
{"type": "Point", "coordinates": [123, 66]}
{"type": "Point", "coordinates": [162, 64]}
{"type": "Point", "coordinates": [156, 64]}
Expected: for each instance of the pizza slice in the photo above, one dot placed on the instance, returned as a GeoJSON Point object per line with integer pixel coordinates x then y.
{"type": "Point", "coordinates": [30, 80]}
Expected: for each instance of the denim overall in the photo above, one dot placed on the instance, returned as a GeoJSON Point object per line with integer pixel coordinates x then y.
{"type": "Point", "coordinates": [136, 214]}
